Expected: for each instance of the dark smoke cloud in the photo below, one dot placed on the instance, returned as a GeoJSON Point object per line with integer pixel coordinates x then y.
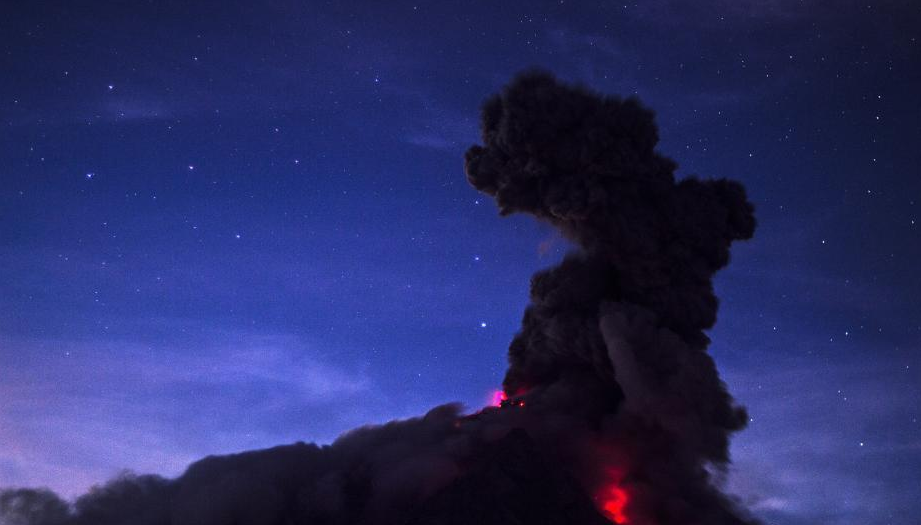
{"type": "Point", "coordinates": [625, 315]}
{"type": "Point", "coordinates": [610, 389]}
{"type": "Point", "coordinates": [31, 507]}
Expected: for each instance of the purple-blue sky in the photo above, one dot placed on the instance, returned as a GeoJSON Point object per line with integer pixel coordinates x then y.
{"type": "Point", "coordinates": [229, 225]}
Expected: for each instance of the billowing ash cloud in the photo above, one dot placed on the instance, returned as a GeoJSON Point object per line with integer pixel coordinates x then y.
{"type": "Point", "coordinates": [612, 411]}
{"type": "Point", "coordinates": [616, 330]}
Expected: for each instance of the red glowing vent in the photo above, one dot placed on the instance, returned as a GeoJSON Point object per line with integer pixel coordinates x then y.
{"type": "Point", "coordinates": [613, 502]}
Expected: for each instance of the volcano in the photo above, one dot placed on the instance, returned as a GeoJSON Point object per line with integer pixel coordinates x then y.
{"type": "Point", "coordinates": [611, 410]}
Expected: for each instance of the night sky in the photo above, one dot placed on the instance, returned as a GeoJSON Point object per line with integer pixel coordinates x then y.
{"type": "Point", "coordinates": [231, 225]}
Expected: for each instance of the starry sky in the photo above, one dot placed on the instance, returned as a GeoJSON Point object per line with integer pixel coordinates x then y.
{"type": "Point", "coordinates": [230, 225]}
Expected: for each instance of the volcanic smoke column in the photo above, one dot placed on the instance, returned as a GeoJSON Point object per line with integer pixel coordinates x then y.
{"type": "Point", "coordinates": [614, 335]}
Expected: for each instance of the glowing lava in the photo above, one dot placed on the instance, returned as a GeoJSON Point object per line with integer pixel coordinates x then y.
{"type": "Point", "coordinates": [613, 502]}
{"type": "Point", "coordinates": [497, 398]}
{"type": "Point", "coordinates": [500, 399]}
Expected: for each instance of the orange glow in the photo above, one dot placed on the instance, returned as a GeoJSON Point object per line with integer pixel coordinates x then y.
{"type": "Point", "coordinates": [497, 398]}
{"type": "Point", "coordinates": [613, 502]}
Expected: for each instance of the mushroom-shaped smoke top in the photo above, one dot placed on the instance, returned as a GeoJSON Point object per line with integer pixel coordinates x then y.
{"type": "Point", "coordinates": [576, 157]}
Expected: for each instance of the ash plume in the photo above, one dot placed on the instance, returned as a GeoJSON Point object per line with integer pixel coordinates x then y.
{"type": "Point", "coordinates": [612, 410]}
{"type": "Point", "coordinates": [621, 319]}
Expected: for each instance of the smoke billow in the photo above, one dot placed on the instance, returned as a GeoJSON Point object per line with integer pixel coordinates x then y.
{"type": "Point", "coordinates": [613, 411]}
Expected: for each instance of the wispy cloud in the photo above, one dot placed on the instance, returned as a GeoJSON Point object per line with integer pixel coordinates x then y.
{"type": "Point", "coordinates": [675, 12]}
{"type": "Point", "coordinates": [76, 413]}
{"type": "Point", "coordinates": [122, 108]}
{"type": "Point", "coordinates": [431, 140]}
{"type": "Point", "coordinates": [783, 462]}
